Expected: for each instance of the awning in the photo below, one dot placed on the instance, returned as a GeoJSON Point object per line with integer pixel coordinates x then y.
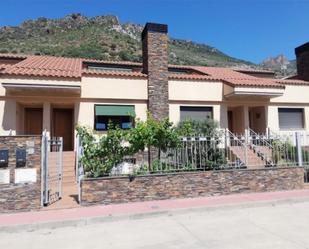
{"type": "Point", "coordinates": [41, 89]}
{"type": "Point", "coordinates": [114, 110]}
{"type": "Point", "coordinates": [252, 92]}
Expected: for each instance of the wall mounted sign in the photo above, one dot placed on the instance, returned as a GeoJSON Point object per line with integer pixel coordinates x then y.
{"type": "Point", "coordinates": [30, 147]}
{"type": "Point", "coordinates": [25, 175]}
{"type": "Point", "coordinates": [4, 176]}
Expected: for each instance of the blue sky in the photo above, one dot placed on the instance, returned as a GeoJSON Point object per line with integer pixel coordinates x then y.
{"type": "Point", "coordinates": [246, 29]}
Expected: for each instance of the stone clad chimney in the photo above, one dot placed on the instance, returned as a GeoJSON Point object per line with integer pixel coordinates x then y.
{"type": "Point", "coordinates": [155, 65]}
{"type": "Point", "coordinates": [302, 59]}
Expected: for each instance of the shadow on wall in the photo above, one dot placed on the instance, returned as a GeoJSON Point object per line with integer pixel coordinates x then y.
{"type": "Point", "coordinates": [223, 118]}
{"type": "Point", "coordinates": [9, 116]}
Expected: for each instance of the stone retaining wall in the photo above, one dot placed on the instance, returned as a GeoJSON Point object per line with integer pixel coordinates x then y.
{"type": "Point", "coordinates": [18, 195]}
{"type": "Point", "coordinates": [189, 184]}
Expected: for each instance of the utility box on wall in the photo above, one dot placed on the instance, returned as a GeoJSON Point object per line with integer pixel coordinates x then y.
{"type": "Point", "coordinates": [21, 157]}
{"type": "Point", "coordinates": [4, 158]}
{"type": "Point", "coordinates": [20, 173]}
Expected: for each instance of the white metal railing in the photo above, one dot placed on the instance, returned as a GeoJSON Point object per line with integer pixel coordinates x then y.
{"type": "Point", "coordinates": [51, 169]}
{"type": "Point", "coordinates": [79, 169]}
{"type": "Point", "coordinates": [223, 150]}
{"type": "Point", "coordinates": [261, 145]}
{"type": "Point", "coordinates": [236, 142]}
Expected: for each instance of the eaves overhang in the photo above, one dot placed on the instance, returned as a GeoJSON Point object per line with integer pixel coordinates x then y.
{"type": "Point", "coordinates": [41, 89]}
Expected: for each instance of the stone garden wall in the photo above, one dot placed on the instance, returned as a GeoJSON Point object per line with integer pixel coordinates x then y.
{"type": "Point", "coordinates": [189, 184]}
{"type": "Point", "coordinates": [20, 187]}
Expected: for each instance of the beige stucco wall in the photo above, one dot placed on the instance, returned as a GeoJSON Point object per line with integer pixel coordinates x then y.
{"type": "Point", "coordinates": [195, 90]}
{"type": "Point", "coordinates": [7, 117]}
{"type": "Point", "coordinates": [293, 94]}
{"type": "Point", "coordinates": [273, 116]}
{"type": "Point", "coordinates": [218, 110]}
{"type": "Point", "coordinates": [37, 80]}
{"type": "Point", "coordinates": [125, 91]}
{"type": "Point", "coordinates": [258, 119]}
{"type": "Point", "coordinates": [114, 88]}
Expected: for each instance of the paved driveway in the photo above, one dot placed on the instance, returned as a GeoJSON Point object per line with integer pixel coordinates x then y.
{"type": "Point", "coordinates": [272, 226]}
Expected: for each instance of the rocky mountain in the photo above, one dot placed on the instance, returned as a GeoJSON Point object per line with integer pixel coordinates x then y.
{"type": "Point", "coordinates": [101, 37]}
{"type": "Point", "coordinates": [281, 65]}
{"type": "Point", "coordinates": [105, 37]}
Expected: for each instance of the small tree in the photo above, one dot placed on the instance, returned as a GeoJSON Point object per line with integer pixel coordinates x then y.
{"type": "Point", "coordinates": [153, 133]}
{"type": "Point", "coordinates": [206, 127]}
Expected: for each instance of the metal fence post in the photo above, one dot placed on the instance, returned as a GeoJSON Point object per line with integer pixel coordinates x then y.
{"type": "Point", "coordinates": [299, 149]}
{"type": "Point", "coordinates": [246, 146]}
{"type": "Point", "coordinates": [60, 166]}
{"type": "Point", "coordinates": [45, 170]}
{"type": "Point", "coordinates": [42, 168]}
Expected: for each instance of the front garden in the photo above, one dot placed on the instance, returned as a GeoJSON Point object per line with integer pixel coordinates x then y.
{"type": "Point", "coordinates": [173, 148]}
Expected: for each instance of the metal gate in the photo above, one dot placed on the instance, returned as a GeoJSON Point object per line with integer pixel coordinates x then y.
{"type": "Point", "coordinates": [51, 169]}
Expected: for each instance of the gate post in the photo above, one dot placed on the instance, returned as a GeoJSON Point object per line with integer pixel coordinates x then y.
{"type": "Point", "coordinates": [60, 166]}
{"type": "Point", "coordinates": [299, 149]}
{"type": "Point", "coordinates": [44, 169]}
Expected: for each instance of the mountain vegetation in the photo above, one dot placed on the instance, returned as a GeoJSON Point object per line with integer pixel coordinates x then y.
{"type": "Point", "coordinates": [103, 37]}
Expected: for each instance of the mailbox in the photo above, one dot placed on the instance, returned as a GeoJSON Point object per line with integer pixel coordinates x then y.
{"type": "Point", "coordinates": [20, 157]}
{"type": "Point", "coordinates": [4, 158]}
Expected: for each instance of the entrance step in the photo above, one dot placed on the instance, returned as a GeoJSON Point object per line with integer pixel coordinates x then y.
{"type": "Point", "coordinates": [253, 160]}
{"type": "Point", "coordinates": [69, 198]}
{"type": "Point", "coordinates": [69, 185]}
{"type": "Point", "coordinates": [265, 150]}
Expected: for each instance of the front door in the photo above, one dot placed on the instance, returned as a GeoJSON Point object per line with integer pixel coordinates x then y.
{"type": "Point", "coordinates": [257, 119]}
{"type": "Point", "coordinates": [33, 121]}
{"type": "Point", "coordinates": [63, 127]}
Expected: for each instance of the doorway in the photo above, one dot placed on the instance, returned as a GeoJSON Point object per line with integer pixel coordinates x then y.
{"type": "Point", "coordinates": [257, 119]}
{"type": "Point", "coordinates": [33, 124]}
{"type": "Point", "coordinates": [62, 126]}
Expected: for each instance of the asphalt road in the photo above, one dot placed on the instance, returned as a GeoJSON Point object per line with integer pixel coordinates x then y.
{"type": "Point", "coordinates": [278, 226]}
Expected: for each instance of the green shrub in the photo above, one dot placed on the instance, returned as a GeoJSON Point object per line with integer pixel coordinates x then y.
{"type": "Point", "coordinates": [207, 127]}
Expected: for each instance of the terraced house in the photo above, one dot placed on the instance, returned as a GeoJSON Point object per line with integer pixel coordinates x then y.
{"type": "Point", "coordinates": [54, 93]}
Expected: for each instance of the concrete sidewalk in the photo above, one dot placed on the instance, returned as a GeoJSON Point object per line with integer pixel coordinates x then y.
{"type": "Point", "coordinates": [87, 215]}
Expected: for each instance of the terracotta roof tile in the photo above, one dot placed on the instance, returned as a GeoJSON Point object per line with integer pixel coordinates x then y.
{"type": "Point", "coordinates": [258, 82]}
{"type": "Point", "coordinates": [252, 70]}
{"type": "Point", "coordinates": [50, 66]}
{"type": "Point", "coordinates": [4, 66]}
{"type": "Point", "coordinates": [292, 82]}
{"type": "Point", "coordinates": [233, 78]}
{"type": "Point", "coordinates": [98, 72]}
{"type": "Point", "coordinates": [46, 66]}
{"type": "Point", "coordinates": [129, 63]}
{"type": "Point", "coordinates": [192, 77]}
{"type": "Point", "coordinates": [13, 56]}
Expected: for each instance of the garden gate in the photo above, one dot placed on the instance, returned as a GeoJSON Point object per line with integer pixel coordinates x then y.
{"type": "Point", "coordinates": [51, 169]}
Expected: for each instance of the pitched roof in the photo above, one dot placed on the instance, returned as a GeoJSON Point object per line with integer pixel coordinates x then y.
{"type": "Point", "coordinates": [97, 72]}
{"type": "Point", "coordinates": [47, 66]}
{"type": "Point", "coordinates": [51, 66]}
{"type": "Point", "coordinates": [234, 78]}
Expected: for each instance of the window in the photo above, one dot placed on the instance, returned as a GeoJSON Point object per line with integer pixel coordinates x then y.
{"type": "Point", "coordinates": [291, 118]}
{"type": "Point", "coordinates": [120, 115]}
{"type": "Point", "coordinates": [183, 71]}
{"type": "Point", "coordinates": [114, 69]}
{"type": "Point", "coordinates": [196, 113]}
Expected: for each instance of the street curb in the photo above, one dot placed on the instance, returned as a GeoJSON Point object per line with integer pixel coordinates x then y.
{"type": "Point", "coordinates": [84, 221]}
